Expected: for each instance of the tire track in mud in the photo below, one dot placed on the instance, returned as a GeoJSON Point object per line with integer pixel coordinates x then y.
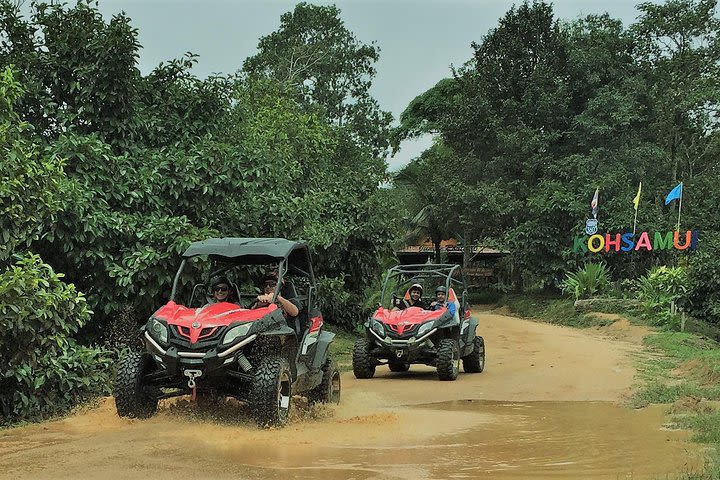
{"type": "Point", "coordinates": [544, 408]}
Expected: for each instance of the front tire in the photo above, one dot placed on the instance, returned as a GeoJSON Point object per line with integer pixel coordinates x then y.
{"type": "Point", "coordinates": [329, 389]}
{"type": "Point", "coordinates": [272, 392]}
{"type": "Point", "coordinates": [475, 361]}
{"type": "Point", "coordinates": [133, 398]}
{"type": "Point", "coordinates": [363, 365]}
{"type": "Point", "coordinates": [448, 358]}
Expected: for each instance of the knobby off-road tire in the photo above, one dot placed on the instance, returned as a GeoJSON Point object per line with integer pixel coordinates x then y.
{"type": "Point", "coordinates": [132, 397]}
{"type": "Point", "coordinates": [447, 359]}
{"type": "Point", "coordinates": [329, 389]}
{"type": "Point", "coordinates": [363, 365]}
{"type": "Point", "coordinates": [272, 392]}
{"type": "Point", "coordinates": [475, 361]}
{"type": "Point", "coordinates": [398, 366]}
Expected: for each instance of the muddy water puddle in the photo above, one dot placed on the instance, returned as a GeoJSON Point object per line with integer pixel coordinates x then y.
{"type": "Point", "coordinates": [358, 440]}
{"type": "Point", "coordinates": [474, 439]}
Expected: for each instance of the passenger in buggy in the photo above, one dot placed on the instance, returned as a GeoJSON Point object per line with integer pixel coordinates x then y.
{"type": "Point", "coordinates": [441, 300]}
{"type": "Point", "coordinates": [221, 292]}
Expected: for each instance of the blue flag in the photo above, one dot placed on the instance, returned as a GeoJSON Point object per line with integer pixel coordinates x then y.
{"type": "Point", "coordinates": [674, 194]}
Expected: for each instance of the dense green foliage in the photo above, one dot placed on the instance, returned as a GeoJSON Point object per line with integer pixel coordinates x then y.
{"type": "Point", "coordinates": [30, 181]}
{"type": "Point", "coordinates": [44, 370]}
{"type": "Point", "coordinates": [702, 298]}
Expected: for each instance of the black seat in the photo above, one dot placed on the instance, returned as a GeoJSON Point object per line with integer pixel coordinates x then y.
{"type": "Point", "coordinates": [298, 323]}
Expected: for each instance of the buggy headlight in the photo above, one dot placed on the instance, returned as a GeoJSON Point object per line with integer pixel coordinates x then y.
{"type": "Point", "coordinates": [424, 328]}
{"type": "Point", "coordinates": [378, 328]}
{"type": "Point", "coordinates": [158, 330]}
{"type": "Point", "coordinates": [236, 332]}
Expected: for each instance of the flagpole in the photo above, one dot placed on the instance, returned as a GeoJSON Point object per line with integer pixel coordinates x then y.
{"type": "Point", "coordinates": [680, 207]}
{"type": "Point", "coordinates": [636, 203]}
{"type": "Point", "coordinates": [635, 221]}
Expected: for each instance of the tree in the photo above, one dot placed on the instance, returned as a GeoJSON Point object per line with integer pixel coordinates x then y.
{"type": "Point", "coordinates": [322, 60]}
{"type": "Point", "coordinates": [424, 186]}
{"type": "Point", "coordinates": [679, 49]}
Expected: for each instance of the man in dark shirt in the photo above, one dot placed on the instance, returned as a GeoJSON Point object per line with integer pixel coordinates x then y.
{"type": "Point", "coordinates": [290, 306]}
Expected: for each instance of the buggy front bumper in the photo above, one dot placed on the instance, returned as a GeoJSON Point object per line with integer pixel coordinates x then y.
{"type": "Point", "coordinates": [214, 361]}
{"type": "Point", "coordinates": [408, 350]}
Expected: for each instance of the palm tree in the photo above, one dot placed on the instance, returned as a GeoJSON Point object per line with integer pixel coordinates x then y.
{"type": "Point", "coordinates": [425, 197]}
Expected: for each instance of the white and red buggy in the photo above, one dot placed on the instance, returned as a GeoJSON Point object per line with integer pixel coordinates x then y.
{"type": "Point", "coordinates": [440, 337]}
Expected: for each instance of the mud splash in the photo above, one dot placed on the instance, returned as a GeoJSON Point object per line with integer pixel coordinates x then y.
{"type": "Point", "coordinates": [460, 439]}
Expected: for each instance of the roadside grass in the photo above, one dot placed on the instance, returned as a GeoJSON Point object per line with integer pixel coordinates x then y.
{"type": "Point", "coordinates": [681, 365]}
{"type": "Point", "coordinates": [678, 369]}
{"type": "Point", "coordinates": [558, 310]}
{"type": "Point", "coordinates": [341, 347]}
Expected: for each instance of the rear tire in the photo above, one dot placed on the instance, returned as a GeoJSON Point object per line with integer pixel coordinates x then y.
{"type": "Point", "coordinates": [398, 367]}
{"type": "Point", "coordinates": [475, 361]}
{"type": "Point", "coordinates": [363, 365]}
{"type": "Point", "coordinates": [133, 398]}
{"type": "Point", "coordinates": [272, 392]}
{"type": "Point", "coordinates": [448, 359]}
{"type": "Point", "coordinates": [329, 389]}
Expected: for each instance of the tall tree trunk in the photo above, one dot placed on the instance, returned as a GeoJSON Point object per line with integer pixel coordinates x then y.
{"type": "Point", "coordinates": [436, 244]}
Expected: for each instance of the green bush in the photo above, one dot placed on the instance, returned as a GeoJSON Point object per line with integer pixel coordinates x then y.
{"type": "Point", "coordinates": [45, 371]}
{"type": "Point", "coordinates": [338, 306]}
{"type": "Point", "coordinates": [702, 299]}
{"type": "Point", "coordinates": [658, 290]}
{"type": "Point", "coordinates": [593, 279]}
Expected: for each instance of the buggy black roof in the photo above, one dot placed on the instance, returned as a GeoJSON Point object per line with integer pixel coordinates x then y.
{"type": "Point", "coordinates": [230, 247]}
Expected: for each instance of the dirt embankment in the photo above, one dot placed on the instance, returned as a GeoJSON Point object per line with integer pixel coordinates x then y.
{"type": "Point", "coordinates": [546, 407]}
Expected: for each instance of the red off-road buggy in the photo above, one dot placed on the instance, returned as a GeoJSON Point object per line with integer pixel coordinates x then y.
{"type": "Point", "coordinates": [439, 338]}
{"type": "Point", "coordinates": [223, 349]}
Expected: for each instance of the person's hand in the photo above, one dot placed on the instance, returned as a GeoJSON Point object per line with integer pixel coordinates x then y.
{"type": "Point", "coordinates": [265, 298]}
{"type": "Point", "coordinates": [433, 304]}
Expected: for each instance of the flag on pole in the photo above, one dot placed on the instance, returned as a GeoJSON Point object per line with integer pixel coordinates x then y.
{"type": "Point", "coordinates": [674, 194]}
{"type": "Point", "coordinates": [636, 200]}
{"type": "Point", "coordinates": [594, 202]}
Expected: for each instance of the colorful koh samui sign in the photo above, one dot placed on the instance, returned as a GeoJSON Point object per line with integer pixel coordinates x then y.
{"type": "Point", "coordinates": [626, 242]}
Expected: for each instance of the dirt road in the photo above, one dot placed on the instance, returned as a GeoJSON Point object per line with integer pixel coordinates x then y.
{"type": "Point", "coordinates": [546, 408]}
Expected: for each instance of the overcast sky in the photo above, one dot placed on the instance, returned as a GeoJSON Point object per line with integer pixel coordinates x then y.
{"type": "Point", "coordinates": [418, 40]}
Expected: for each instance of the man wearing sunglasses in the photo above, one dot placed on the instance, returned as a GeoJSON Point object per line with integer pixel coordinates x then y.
{"type": "Point", "coordinates": [291, 306]}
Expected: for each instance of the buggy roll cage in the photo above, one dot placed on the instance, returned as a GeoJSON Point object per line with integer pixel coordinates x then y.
{"type": "Point", "coordinates": [410, 273]}
{"type": "Point", "coordinates": [287, 254]}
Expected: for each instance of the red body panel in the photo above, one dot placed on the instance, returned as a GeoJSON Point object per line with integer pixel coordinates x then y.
{"type": "Point", "coordinates": [196, 323]}
{"type": "Point", "coordinates": [400, 320]}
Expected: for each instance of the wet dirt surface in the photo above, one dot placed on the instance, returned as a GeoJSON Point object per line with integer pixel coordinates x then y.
{"type": "Point", "coordinates": [546, 407]}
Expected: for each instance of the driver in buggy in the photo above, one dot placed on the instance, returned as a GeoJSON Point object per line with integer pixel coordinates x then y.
{"type": "Point", "coordinates": [415, 293]}
{"type": "Point", "coordinates": [290, 306]}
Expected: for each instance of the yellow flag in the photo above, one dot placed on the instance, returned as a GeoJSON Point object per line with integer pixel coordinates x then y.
{"type": "Point", "coordinates": [636, 200]}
